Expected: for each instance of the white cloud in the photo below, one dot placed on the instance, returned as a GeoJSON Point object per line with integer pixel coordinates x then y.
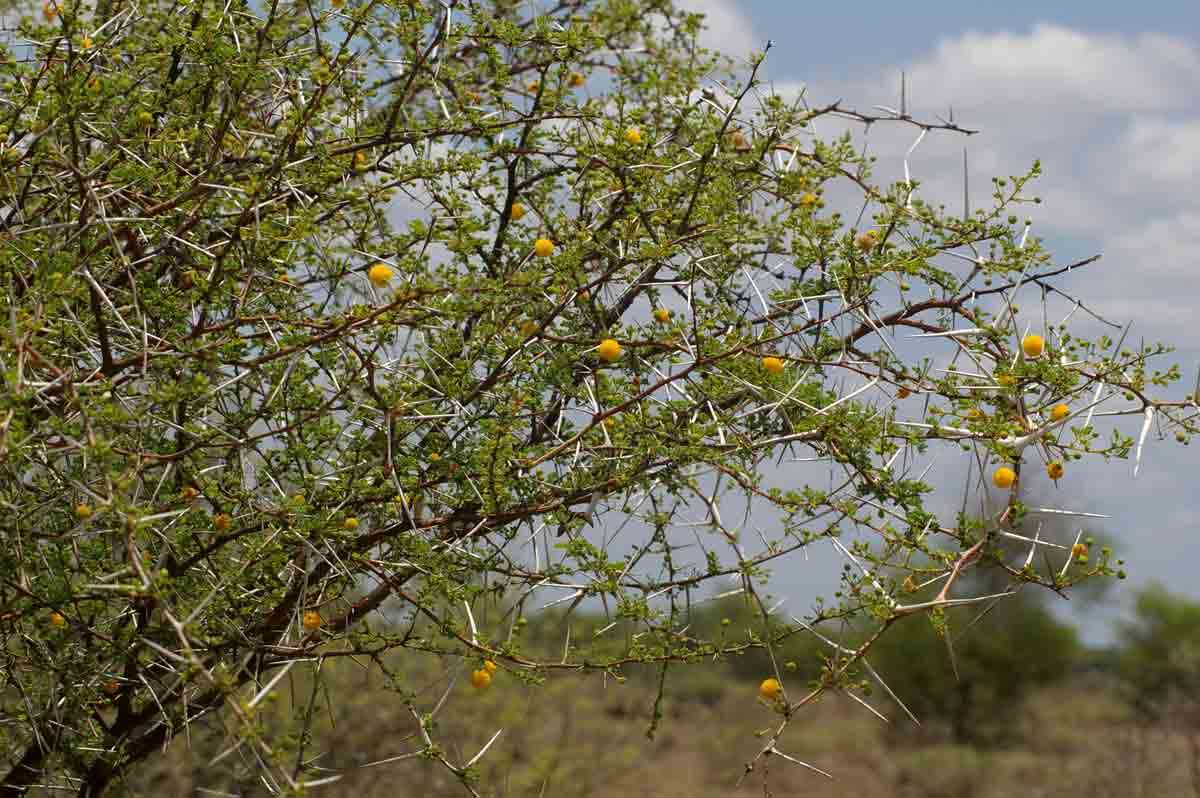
{"type": "Point", "coordinates": [1107, 114]}
{"type": "Point", "coordinates": [1161, 246]}
{"type": "Point", "coordinates": [1061, 72]}
{"type": "Point", "coordinates": [1115, 121]}
{"type": "Point", "coordinates": [725, 27]}
{"type": "Point", "coordinates": [1150, 275]}
{"type": "Point", "coordinates": [1157, 154]}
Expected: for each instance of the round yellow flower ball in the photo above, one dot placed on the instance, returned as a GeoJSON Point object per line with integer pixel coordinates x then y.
{"type": "Point", "coordinates": [312, 620]}
{"type": "Point", "coordinates": [867, 240]}
{"type": "Point", "coordinates": [770, 689]}
{"type": "Point", "coordinates": [1059, 412]}
{"type": "Point", "coordinates": [1033, 345]}
{"type": "Point", "coordinates": [1004, 477]}
{"type": "Point", "coordinates": [543, 247]}
{"type": "Point", "coordinates": [516, 211]}
{"type": "Point", "coordinates": [773, 364]}
{"type": "Point", "coordinates": [608, 350]}
{"type": "Point", "coordinates": [480, 679]}
{"type": "Point", "coordinates": [633, 136]}
{"type": "Point", "coordinates": [380, 275]}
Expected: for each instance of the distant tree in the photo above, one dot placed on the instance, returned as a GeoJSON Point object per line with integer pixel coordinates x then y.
{"type": "Point", "coordinates": [328, 325]}
{"type": "Point", "coordinates": [1159, 662]}
{"type": "Point", "coordinates": [1160, 654]}
{"type": "Point", "coordinates": [975, 690]}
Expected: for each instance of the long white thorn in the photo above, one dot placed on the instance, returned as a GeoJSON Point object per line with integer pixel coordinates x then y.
{"type": "Point", "coordinates": [1142, 438]}
{"type": "Point", "coordinates": [483, 750]}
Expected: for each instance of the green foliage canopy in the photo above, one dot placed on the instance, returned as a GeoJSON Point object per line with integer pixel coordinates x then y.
{"type": "Point", "coordinates": [225, 450]}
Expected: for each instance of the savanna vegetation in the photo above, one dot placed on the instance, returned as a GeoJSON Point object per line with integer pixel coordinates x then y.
{"type": "Point", "coordinates": [360, 353]}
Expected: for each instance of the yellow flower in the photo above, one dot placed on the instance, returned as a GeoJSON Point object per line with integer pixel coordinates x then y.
{"type": "Point", "coordinates": [1079, 552]}
{"type": "Point", "coordinates": [380, 275]}
{"type": "Point", "coordinates": [543, 247]}
{"type": "Point", "coordinates": [312, 620]}
{"type": "Point", "coordinates": [57, 619]}
{"type": "Point", "coordinates": [489, 666]}
{"type": "Point", "coordinates": [1004, 477]}
{"type": "Point", "coordinates": [1059, 412]}
{"type": "Point", "coordinates": [633, 136]}
{"type": "Point", "coordinates": [516, 212]}
{"type": "Point", "coordinates": [576, 79]}
{"type": "Point", "coordinates": [770, 689]}
{"type": "Point", "coordinates": [533, 86]}
{"type": "Point", "coordinates": [86, 43]}
{"type": "Point", "coordinates": [83, 511]}
{"type": "Point", "coordinates": [350, 524]}
{"type": "Point", "coordinates": [222, 522]}
{"type": "Point", "coordinates": [529, 327]}
{"type": "Point", "coordinates": [867, 240]}
{"type": "Point", "coordinates": [773, 364]}
{"type": "Point", "coordinates": [608, 350]}
{"type": "Point", "coordinates": [1055, 470]}
{"type": "Point", "coordinates": [480, 679]}
{"type": "Point", "coordinates": [1032, 345]}
{"type": "Point", "coordinates": [808, 199]}
{"type": "Point", "coordinates": [662, 315]}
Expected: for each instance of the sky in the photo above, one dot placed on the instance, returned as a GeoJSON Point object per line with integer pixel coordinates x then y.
{"type": "Point", "coordinates": [1107, 96]}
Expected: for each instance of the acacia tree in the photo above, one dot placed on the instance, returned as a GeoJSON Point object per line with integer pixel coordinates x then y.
{"type": "Point", "coordinates": [364, 329]}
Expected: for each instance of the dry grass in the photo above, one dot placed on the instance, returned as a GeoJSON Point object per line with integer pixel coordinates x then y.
{"type": "Point", "coordinates": [579, 738]}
